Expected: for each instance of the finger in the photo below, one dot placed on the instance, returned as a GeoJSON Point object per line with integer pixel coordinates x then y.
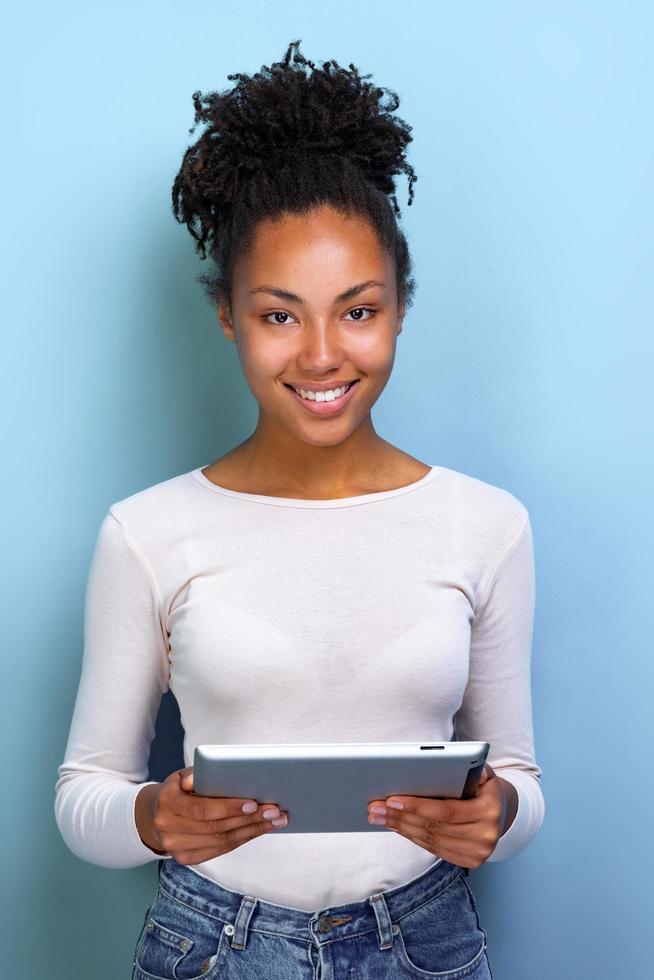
{"type": "Point", "coordinates": [454, 855]}
{"type": "Point", "coordinates": [211, 807]}
{"type": "Point", "coordinates": [186, 778]}
{"type": "Point", "coordinates": [487, 773]}
{"type": "Point", "coordinates": [213, 824]}
{"type": "Point", "coordinates": [449, 811]}
{"type": "Point", "coordinates": [202, 833]}
{"type": "Point", "coordinates": [228, 832]}
{"type": "Point", "coordinates": [450, 848]}
{"type": "Point", "coordinates": [415, 823]}
{"type": "Point", "coordinates": [195, 848]}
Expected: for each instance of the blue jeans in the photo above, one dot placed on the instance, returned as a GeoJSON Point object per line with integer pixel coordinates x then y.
{"type": "Point", "coordinates": [197, 930]}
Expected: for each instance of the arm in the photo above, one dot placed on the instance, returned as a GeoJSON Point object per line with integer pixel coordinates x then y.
{"type": "Point", "coordinates": [496, 705]}
{"type": "Point", "coordinates": [124, 673]}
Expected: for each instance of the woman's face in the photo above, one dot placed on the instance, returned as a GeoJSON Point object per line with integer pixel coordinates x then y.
{"type": "Point", "coordinates": [294, 325]}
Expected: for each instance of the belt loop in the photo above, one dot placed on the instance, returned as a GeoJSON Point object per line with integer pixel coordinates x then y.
{"type": "Point", "coordinates": [384, 923]}
{"type": "Point", "coordinates": [245, 911]}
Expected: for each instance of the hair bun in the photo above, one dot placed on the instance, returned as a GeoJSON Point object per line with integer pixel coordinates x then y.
{"type": "Point", "coordinates": [286, 139]}
{"type": "Point", "coordinates": [294, 107]}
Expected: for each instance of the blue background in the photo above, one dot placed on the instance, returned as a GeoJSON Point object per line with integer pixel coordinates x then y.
{"type": "Point", "coordinates": [525, 362]}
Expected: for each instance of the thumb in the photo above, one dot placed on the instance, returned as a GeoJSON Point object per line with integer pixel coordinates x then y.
{"type": "Point", "coordinates": [186, 778]}
{"type": "Point", "coordinates": [487, 773]}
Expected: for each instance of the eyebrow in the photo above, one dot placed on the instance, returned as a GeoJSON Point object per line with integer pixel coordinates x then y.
{"type": "Point", "coordinates": [341, 298]}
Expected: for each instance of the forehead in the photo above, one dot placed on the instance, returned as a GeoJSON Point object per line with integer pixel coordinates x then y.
{"type": "Point", "coordinates": [323, 242]}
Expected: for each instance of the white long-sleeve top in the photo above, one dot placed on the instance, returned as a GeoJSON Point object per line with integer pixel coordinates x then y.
{"type": "Point", "coordinates": [401, 615]}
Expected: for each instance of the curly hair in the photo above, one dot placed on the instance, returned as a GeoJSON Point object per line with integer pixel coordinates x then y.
{"type": "Point", "coordinates": [285, 140]}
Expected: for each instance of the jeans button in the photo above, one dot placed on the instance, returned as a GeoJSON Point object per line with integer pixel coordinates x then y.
{"type": "Point", "coordinates": [328, 922]}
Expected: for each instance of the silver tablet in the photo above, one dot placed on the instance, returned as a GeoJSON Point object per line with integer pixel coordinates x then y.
{"type": "Point", "coordinates": [327, 788]}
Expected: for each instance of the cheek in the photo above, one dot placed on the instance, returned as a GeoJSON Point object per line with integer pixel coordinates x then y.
{"type": "Point", "coordinates": [374, 351]}
{"type": "Point", "coordinates": [263, 359]}
{"type": "Point", "coordinates": [375, 360]}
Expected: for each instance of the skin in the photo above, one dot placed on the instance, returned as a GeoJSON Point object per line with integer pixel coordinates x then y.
{"type": "Point", "coordinates": [464, 832]}
{"type": "Point", "coordinates": [292, 453]}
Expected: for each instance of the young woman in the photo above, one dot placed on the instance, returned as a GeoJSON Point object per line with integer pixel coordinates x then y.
{"type": "Point", "coordinates": [314, 584]}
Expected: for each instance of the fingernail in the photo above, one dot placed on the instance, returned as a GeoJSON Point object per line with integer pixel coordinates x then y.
{"type": "Point", "coordinates": [269, 813]}
{"type": "Point", "coordinates": [249, 807]}
{"type": "Point", "coordinates": [280, 821]}
{"type": "Point", "coordinates": [378, 809]}
{"type": "Point", "coordinates": [395, 804]}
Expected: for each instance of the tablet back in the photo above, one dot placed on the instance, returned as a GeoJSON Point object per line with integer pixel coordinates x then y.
{"type": "Point", "coordinates": [326, 788]}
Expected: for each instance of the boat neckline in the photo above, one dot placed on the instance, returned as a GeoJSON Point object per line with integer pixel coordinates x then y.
{"type": "Point", "coordinates": [362, 498]}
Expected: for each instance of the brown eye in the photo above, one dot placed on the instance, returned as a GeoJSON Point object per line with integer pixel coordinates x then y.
{"type": "Point", "coordinates": [276, 313]}
{"type": "Point", "coordinates": [365, 309]}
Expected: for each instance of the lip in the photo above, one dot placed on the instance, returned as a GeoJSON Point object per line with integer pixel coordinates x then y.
{"type": "Point", "coordinates": [324, 408]}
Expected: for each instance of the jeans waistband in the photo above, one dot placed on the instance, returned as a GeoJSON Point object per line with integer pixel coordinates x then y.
{"type": "Point", "coordinates": [379, 910]}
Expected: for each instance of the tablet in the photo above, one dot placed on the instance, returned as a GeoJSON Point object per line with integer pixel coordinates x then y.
{"type": "Point", "coordinates": [327, 788]}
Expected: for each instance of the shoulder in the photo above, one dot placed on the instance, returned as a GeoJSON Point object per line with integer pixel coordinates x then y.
{"type": "Point", "coordinates": [489, 513]}
{"type": "Point", "coordinates": [154, 512]}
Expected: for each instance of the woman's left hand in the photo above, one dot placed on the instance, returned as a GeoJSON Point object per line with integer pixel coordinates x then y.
{"type": "Point", "coordinates": [464, 832]}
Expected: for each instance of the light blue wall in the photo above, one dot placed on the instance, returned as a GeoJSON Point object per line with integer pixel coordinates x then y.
{"type": "Point", "coordinates": [525, 362]}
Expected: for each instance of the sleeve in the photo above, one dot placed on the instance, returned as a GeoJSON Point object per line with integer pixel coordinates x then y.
{"type": "Point", "coordinates": [496, 705]}
{"type": "Point", "coordinates": [125, 671]}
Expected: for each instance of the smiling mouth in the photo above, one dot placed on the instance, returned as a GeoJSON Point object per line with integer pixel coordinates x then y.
{"type": "Point", "coordinates": [322, 407]}
{"type": "Point", "coordinates": [349, 385]}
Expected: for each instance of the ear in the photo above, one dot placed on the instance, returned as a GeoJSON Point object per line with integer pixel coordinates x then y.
{"type": "Point", "coordinates": [225, 320]}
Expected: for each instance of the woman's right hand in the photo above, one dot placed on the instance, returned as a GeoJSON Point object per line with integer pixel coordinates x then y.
{"type": "Point", "coordinates": [172, 820]}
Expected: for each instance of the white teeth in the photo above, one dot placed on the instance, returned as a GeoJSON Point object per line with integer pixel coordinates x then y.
{"type": "Point", "coordinates": [322, 396]}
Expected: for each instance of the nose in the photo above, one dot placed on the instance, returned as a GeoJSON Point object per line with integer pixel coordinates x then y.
{"type": "Point", "coordinates": [321, 348]}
